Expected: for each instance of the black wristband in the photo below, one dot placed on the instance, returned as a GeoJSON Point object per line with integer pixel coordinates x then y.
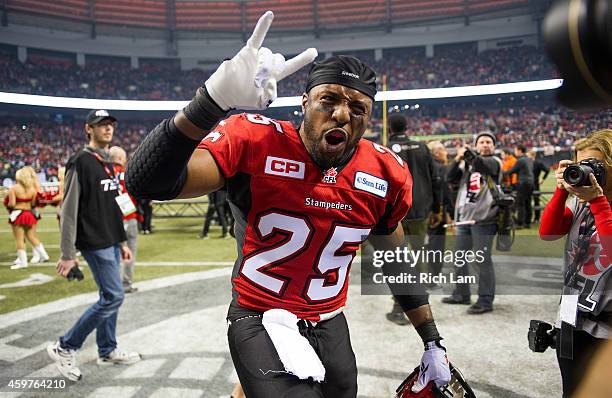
{"type": "Point", "coordinates": [428, 331]}
{"type": "Point", "coordinates": [203, 111]}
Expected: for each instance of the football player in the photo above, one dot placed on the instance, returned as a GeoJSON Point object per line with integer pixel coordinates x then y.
{"type": "Point", "coordinates": [304, 200]}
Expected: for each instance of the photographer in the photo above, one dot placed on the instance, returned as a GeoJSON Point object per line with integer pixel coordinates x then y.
{"type": "Point", "coordinates": [476, 173]}
{"type": "Point", "coordinates": [585, 316]}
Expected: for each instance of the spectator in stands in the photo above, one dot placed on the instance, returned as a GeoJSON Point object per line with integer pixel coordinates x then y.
{"type": "Point", "coordinates": [21, 200]}
{"type": "Point", "coordinates": [119, 158]}
{"type": "Point", "coordinates": [456, 65]}
{"type": "Point", "coordinates": [46, 143]}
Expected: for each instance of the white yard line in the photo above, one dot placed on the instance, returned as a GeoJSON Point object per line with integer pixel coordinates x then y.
{"type": "Point", "coordinates": [41, 310]}
{"type": "Point", "coordinates": [147, 263]}
{"type": "Point", "coordinates": [192, 227]}
{"type": "Point", "coordinates": [497, 258]}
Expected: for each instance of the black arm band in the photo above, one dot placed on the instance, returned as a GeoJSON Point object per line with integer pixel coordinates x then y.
{"type": "Point", "coordinates": [428, 331]}
{"type": "Point", "coordinates": [158, 169]}
{"type": "Point", "coordinates": [203, 111]}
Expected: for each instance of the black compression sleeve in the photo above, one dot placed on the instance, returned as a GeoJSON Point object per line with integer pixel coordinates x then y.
{"type": "Point", "coordinates": [158, 169]}
{"type": "Point", "coordinates": [413, 300]}
{"type": "Point", "coordinates": [408, 295]}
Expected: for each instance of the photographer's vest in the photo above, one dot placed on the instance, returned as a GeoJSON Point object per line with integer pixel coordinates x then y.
{"type": "Point", "coordinates": [474, 199]}
{"type": "Point", "coordinates": [587, 272]}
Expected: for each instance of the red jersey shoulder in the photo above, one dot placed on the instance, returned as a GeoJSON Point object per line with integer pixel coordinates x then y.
{"type": "Point", "coordinates": [237, 142]}
{"type": "Point", "coordinates": [250, 127]}
{"type": "Point", "coordinates": [384, 163]}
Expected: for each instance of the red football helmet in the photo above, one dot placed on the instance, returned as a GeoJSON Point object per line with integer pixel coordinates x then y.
{"type": "Point", "coordinates": [457, 388]}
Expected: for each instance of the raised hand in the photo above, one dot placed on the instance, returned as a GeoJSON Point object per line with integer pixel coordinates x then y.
{"type": "Point", "coordinates": [249, 80]}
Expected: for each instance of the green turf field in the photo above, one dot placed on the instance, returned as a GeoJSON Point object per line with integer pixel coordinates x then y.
{"type": "Point", "coordinates": [173, 240]}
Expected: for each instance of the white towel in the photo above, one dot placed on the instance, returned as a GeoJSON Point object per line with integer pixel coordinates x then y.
{"type": "Point", "coordinates": [296, 354]}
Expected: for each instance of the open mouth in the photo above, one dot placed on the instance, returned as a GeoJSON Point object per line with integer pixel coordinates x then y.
{"type": "Point", "coordinates": [335, 137]}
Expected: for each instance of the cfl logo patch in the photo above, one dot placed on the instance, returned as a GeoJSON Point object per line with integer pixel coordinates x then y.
{"type": "Point", "coordinates": [109, 184]}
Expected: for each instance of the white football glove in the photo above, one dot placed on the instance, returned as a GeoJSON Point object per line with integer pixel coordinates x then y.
{"type": "Point", "coordinates": [434, 366]}
{"type": "Point", "coordinates": [248, 81]}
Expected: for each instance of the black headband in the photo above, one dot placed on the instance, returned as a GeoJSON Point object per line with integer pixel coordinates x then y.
{"type": "Point", "coordinates": [344, 70]}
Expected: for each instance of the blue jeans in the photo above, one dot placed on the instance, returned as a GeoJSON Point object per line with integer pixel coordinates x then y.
{"type": "Point", "coordinates": [477, 237]}
{"type": "Point", "coordinates": [102, 316]}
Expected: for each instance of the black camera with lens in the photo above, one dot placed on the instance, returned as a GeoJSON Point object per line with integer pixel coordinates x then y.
{"type": "Point", "coordinates": [469, 155]}
{"type": "Point", "coordinates": [578, 36]}
{"type": "Point", "coordinates": [577, 174]}
{"type": "Point", "coordinates": [541, 336]}
{"type": "Point", "coordinates": [75, 273]}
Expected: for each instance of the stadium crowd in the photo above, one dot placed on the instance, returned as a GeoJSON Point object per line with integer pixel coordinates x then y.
{"type": "Point", "coordinates": [106, 78]}
{"type": "Point", "coordinates": [532, 126]}
{"type": "Point", "coordinates": [45, 144]}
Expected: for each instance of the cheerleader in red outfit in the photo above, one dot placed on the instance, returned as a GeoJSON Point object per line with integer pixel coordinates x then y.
{"type": "Point", "coordinates": [21, 201]}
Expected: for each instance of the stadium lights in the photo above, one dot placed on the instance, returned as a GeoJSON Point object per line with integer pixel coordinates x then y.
{"type": "Point", "coordinates": [393, 95]}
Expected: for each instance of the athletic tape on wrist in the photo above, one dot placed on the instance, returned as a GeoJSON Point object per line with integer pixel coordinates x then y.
{"type": "Point", "coordinates": [428, 331]}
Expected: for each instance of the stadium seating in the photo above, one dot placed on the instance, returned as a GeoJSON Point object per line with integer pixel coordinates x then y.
{"type": "Point", "coordinates": [227, 15]}
{"type": "Point", "coordinates": [70, 9]}
{"type": "Point", "coordinates": [46, 144]}
{"type": "Point", "coordinates": [456, 65]}
{"type": "Point", "coordinates": [147, 13]}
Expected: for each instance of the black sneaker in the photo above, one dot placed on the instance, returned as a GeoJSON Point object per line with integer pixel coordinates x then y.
{"type": "Point", "coordinates": [477, 309]}
{"type": "Point", "coordinates": [130, 289]}
{"type": "Point", "coordinates": [398, 317]}
{"type": "Point", "coordinates": [455, 300]}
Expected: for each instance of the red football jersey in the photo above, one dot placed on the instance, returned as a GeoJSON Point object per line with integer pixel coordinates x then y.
{"type": "Point", "coordinates": [298, 226]}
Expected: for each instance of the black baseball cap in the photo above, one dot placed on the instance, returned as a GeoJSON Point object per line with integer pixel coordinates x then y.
{"type": "Point", "coordinates": [97, 115]}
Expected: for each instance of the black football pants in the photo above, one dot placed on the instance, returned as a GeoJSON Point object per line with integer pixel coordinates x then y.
{"type": "Point", "coordinates": [261, 372]}
{"type": "Point", "coordinates": [523, 204]}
